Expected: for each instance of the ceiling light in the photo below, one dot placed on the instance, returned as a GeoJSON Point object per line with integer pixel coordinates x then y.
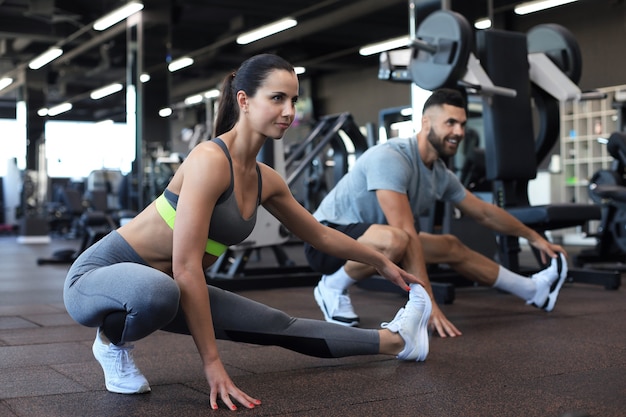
{"type": "Point", "coordinates": [484, 23]}
{"type": "Point", "coordinates": [299, 70]}
{"type": "Point", "coordinates": [118, 15]}
{"type": "Point", "coordinates": [535, 6]}
{"type": "Point", "coordinates": [212, 93]}
{"type": "Point", "coordinates": [144, 78]}
{"type": "Point", "coordinates": [195, 99]}
{"type": "Point", "coordinates": [42, 112]}
{"type": "Point", "coordinates": [5, 82]}
{"type": "Point", "coordinates": [180, 63]}
{"type": "Point", "coordinates": [48, 56]}
{"type": "Point", "coordinates": [387, 45]}
{"type": "Point", "coordinates": [61, 108]}
{"type": "Point", "coordinates": [267, 30]}
{"type": "Point", "coordinates": [164, 112]}
{"type": "Point", "coordinates": [106, 91]}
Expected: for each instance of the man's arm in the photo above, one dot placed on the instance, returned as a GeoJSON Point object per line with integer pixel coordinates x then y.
{"type": "Point", "coordinates": [398, 213]}
{"type": "Point", "coordinates": [499, 220]}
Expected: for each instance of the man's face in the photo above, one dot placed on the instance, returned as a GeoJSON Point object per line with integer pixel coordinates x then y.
{"type": "Point", "coordinates": [447, 128]}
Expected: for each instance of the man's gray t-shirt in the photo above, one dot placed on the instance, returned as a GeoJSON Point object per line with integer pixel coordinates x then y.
{"type": "Point", "coordinates": [395, 165]}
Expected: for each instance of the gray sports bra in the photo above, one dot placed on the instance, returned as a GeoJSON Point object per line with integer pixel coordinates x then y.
{"type": "Point", "coordinates": [228, 226]}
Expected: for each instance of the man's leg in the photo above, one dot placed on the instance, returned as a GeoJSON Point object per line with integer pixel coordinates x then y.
{"type": "Point", "coordinates": [331, 293]}
{"type": "Point", "coordinates": [540, 290]}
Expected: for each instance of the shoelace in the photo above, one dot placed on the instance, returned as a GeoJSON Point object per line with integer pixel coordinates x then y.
{"type": "Point", "coordinates": [124, 361]}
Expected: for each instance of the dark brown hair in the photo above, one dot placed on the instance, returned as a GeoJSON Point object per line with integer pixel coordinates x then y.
{"type": "Point", "coordinates": [247, 78]}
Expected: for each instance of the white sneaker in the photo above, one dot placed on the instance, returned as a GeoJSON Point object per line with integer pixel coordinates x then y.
{"type": "Point", "coordinates": [549, 283]}
{"type": "Point", "coordinates": [120, 372]}
{"type": "Point", "coordinates": [335, 304]}
{"type": "Point", "coordinates": [411, 322]}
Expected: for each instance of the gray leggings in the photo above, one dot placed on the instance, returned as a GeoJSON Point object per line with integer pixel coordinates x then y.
{"type": "Point", "coordinates": [111, 287]}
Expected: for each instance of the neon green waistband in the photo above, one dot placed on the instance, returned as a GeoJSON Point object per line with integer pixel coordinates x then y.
{"type": "Point", "coordinates": [168, 214]}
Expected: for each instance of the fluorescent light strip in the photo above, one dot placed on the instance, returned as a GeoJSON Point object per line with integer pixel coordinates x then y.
{"type": "Point", "coordinates": [195, 99]}
{"type": "Point", "coordinates": [212, 93]}
{"type": "Point", "coordinates": [5, 82]}
{"type": "Point", "coordinates": [106, 91]}
{"type": "Point", "coordinates": [267, 30]}
{"type": "Point", "coordinates": [180, 63]}
{"type": "Point", "coordinates": [484, 23]}
{"type": "Point", "coordinates": [535, 6]}
{"type": "Point", "coordinates": [164, 112]}
{"type": "Point", "coordinates": [61, 108]}
{"type": "Point", "coordinates": [387, 45]}
{"type": "Point", "coordinates": [48, 56]}
{"type": "Point", "coordinates": [117, 15]}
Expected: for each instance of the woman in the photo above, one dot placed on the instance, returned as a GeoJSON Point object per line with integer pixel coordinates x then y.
{"type": "Point", "coordinates": [149, 274]}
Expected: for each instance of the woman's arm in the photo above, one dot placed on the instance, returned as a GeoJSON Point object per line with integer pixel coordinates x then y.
{"type": "Point", "coordinates": [279, 201]}
{"type": "Point", "coordinates": [199, 190]}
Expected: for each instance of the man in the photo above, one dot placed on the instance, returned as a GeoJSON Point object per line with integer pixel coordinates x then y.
{"type": "Point", "coordinates": [380, 200]}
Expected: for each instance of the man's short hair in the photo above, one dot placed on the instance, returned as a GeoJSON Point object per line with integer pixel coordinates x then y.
{"type": "Point", "coordinates": [443, 96]}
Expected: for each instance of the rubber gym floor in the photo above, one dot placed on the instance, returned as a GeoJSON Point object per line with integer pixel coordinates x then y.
{"type": "Point", "coordinates": [512, 360]}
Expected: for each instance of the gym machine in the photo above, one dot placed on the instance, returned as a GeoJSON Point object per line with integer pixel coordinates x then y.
{"type": "Point", "coordinates": [511, 151]}
{"type": "Point", "coordinates": [441, 56]}
{"type": "Point", "coordinates": [607, 188]}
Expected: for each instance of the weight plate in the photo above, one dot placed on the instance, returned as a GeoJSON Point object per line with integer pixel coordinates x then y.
{"type": "Point", "coordinates": [559, 45]}
{"type": "Point", "coordinates": [547, 122]}
{"type": "Point", "coordinates": [451, 34]}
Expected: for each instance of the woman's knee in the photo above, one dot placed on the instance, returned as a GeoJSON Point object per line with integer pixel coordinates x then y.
{"type": "Point", "coordinates": [162, 299]}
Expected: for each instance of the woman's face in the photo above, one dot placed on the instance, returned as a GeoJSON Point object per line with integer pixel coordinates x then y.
{"type": "Point", "coordinates": [272, 109]}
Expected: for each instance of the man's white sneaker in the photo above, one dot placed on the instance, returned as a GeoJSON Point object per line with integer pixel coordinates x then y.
{"type": "Point", "coordinates": [549, 283]}
{"type": "Point", "coordinates": [120, 372]}
{"type": "Point", "coordinates": [411, 322]}
{"type": "Point", "coordinates": [335, 304]}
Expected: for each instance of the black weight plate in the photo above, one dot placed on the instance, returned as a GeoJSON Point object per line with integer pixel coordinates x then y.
{"type": "Point", "coordinates": [452, 35]}
{"type": "Point", "coordinates": [548, 122]}
{"type": "Point", "coordinates": [560, 46]}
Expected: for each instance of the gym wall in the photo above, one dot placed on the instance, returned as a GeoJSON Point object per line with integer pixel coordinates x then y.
{"type": "Point", "coordinates": [360, 93]}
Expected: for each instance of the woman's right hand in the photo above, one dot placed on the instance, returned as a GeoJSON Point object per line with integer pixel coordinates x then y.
{"type": "Point", "coordinates": [221, 385]}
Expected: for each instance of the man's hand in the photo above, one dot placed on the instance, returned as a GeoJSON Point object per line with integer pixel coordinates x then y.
{"type": "Point", "coordinates": [546, 248]}
{"type": "Point", "coordinates": [440, 324]}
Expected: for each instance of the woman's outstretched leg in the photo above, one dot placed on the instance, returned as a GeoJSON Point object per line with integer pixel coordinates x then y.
{"type": "Point", "coordinates": [240, 319]}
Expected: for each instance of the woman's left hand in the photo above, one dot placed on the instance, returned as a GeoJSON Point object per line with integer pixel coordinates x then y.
{"type": "Point", "coordinates": [223, 387]}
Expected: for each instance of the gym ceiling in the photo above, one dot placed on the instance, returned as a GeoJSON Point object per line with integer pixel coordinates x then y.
{"type": "Point", "coordinates": [325, 41]}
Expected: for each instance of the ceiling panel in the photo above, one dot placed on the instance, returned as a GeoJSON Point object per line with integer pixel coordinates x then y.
{"type": "Point", "coordinates": [326, 40]}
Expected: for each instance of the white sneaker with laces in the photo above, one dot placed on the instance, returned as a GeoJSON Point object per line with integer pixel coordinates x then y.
{"type": "Point", "coordinates": [120, 372]}
{"type": "Point", "coordinates": [335, 304]}
{"type": "Point", "coordinates": [549, 283]}
{"type": "Point", "coordinates": [411, 322]}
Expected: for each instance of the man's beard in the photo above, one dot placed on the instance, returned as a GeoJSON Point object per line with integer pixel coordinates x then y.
{"type": "Point", "coordinates": [438, 143]}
